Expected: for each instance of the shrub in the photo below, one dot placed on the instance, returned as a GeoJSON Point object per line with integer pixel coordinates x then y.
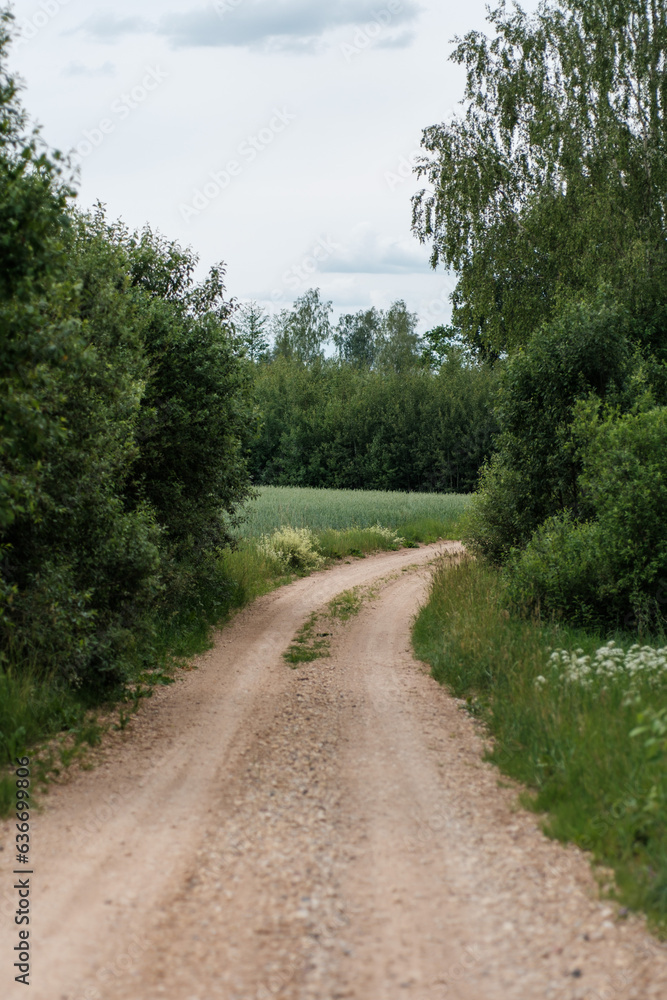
{"type": "Point", "coordinates": [611, 570]}
{"type": "Point", "coordinates": [291, 548]}
{"type": "Point", "coordinates": [534, 474]}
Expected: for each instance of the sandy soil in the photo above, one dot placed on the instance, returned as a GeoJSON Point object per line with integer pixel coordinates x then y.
{"type": "Point", "coordinates": [322, 832]}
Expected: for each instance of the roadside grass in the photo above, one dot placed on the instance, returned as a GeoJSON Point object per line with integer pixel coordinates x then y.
{"type": "Point", "coordinates": [33, 710]}
{"type": "Point", "coordinates": [55, 724]}
{"type": "Point", "coordinates": [592, 749]}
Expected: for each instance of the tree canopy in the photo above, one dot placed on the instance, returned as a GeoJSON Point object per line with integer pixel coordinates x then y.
{"type": "Point", "coordinates": [553, 179]}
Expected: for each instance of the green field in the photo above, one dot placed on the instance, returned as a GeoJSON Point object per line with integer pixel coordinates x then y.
{"type": "Point", "coordinates": [321, 510]}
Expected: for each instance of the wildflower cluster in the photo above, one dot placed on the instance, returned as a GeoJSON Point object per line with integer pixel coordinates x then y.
{"type": "Point", "coordinates": [292, 548]}
{"type": "Point", "coordinates": [634, 667]}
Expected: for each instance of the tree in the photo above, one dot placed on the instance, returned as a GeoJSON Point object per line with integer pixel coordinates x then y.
{"type": "Point", "coordinates": [38, 341]}
{"type": "Point", "coordinates": [398, 346]}
{"type": "Point", "coordinates": [357, 336]}
{"type": "Point", "coordinates": [303, 331]}
{"type": "Point", "coordinates": [440, 344]}
{"type": "Point", "coordinates": [251, 331]}
{"type": "Point", "coordinates": [554, 177]}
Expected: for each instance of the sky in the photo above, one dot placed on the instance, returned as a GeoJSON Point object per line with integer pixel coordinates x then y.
{"type": "Point", "coordinates": [277, 136]}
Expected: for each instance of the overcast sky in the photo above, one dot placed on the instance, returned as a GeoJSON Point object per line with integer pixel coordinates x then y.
{"type": "Point", "coordinates": [275, 135]}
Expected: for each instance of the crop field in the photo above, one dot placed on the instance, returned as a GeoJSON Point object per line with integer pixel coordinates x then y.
{"type": "Point", "coordinates": [320, 510]}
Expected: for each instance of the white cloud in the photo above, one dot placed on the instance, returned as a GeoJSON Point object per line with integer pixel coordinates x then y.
{"type": "Point", "coordinates": [111, 28]}
{"type": "Point", "coordinates": [78, 69]}
{"type": "Point", "coordinates": [291, 26]}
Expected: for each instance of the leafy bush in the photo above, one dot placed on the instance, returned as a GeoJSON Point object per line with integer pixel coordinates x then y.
{"type": "Point", "coordinates": [611, 570]}
{"type": "Point", "coordinates": [291, 548]}
{"type": "Point", "coordinates": [534, 474]}
{"type": "Point", "coordinates": [124, 415]}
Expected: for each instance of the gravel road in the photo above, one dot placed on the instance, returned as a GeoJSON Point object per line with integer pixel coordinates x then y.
{"type": "Point", "coordinates": [315, 833]}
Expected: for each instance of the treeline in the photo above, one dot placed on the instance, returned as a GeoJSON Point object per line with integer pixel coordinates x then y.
{"type": "Point", "coordinates": [550, 200]}
{"type": "Point", "coordinates": [384, 410]}
{"type": "Point", "coordinates": [334, 425]}
{"type": "Point", "coordinates": [124, 419]}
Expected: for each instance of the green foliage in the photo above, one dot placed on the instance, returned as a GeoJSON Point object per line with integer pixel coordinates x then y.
{"type": "Point", "coordinates": [302, 332]}
{"type": "Point", "coordinates": [611, 569]}
{"type": "Point", "coordinates": [441, 344]}
{"type": "Point", "coordinates": [357, 337]}
{"type": "Point", "coordinates": [594, 765]}
{"type": "Point", "coordinates": [38, 337]}
{"type": "Point", "coordinates": [374, 338]}
{"type": "Point", "coordinates": [123, 424]}
{"type": "Point", "coordinates": [251, 332]}
{"type": "Point", "coordinates": [397, 345]}
{"type": "Point", "coordinates": [534, 472]}
{"type": "Point", "coordinates": [343, 426]}
{"type": "Point", "coordinates": [553, 177]}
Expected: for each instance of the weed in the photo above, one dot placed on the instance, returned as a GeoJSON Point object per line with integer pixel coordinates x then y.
{"type": "Point", "coordinates": [308, 645]}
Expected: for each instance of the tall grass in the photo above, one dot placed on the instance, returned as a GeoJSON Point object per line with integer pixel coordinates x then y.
{"type": "Point", "coordinates": [602, 784]}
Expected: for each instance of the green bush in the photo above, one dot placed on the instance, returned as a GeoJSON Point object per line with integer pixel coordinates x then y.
{"type": "Point", "coordinates": [534, 474]}
{"type": "Point", "coordinates": [124, 418]}
{"type": "Point", "coordinates": [561, 573]}
{"type": "Point", "coordinates": [612, 569]}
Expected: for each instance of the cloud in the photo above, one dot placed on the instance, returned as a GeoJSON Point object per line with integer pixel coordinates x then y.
{"type": "Point", "coordinates": [110, 28]}
{"type": "Point", "coordinates": [270, 25]}
{"type": "Point", "coordinates": [366, 253]}
{"type": "Point", "coordinates": [78, 69]}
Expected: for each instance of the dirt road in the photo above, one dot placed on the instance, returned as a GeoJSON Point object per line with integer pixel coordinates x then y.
{"type": "Point", "coordinates": [315, 833]}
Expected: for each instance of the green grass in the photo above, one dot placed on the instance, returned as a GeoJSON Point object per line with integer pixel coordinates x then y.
{"type": "Point", "coordinates": [33, 709]}
{"type": "Point", "coordinates": [309, 644]}
{"type": "Point", "coordinates": [599, 786]}
{"type": "Point", "coordinates": [321, 510]}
